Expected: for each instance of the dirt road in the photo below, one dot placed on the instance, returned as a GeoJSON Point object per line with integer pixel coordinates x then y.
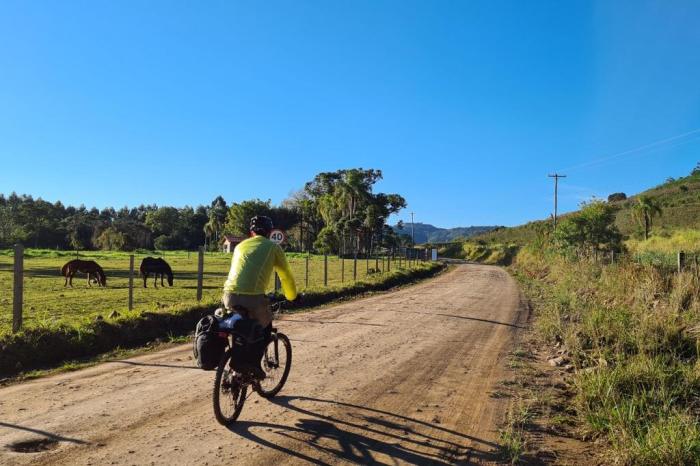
{"type": "Point", "coordinates": [402, 377]}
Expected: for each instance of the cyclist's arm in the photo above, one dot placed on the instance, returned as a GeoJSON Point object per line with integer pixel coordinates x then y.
{"type": "Point", "coordinates": [285, 273]}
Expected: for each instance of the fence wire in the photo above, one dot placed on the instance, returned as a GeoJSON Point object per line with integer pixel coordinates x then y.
{"type": "Point", "coordinates": [46, 301]}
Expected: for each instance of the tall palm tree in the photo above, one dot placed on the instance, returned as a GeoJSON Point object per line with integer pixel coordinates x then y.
{"type": "Point", "coordinates": [644, 211]}
{"type": "Point", "coordinates": [212, 228]}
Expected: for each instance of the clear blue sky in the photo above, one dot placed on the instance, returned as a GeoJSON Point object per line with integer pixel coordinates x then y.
{"type": "Point", "coordinates": [466, 106]}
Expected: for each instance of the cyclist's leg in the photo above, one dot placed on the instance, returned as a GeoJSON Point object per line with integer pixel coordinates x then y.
{"type": "Point", "coordinates": [256, 308]}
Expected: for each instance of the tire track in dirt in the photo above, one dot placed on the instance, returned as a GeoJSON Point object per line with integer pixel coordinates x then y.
{"type": "Point", "coordinates": [402, 377]}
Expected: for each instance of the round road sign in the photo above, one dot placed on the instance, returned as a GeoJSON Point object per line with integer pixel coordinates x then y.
{"type": "Point", "coordinates": [277, 236]}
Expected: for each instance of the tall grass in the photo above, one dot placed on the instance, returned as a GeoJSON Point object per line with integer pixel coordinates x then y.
{"type": "Point", "coordinates": [630, 332]}
{"type": "Point", "coordinates": [679, 240]}
{"type": "Point", "coordinates": [491, 253]}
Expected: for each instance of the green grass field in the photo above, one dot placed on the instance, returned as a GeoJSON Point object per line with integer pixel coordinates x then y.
{"type": "Point", "coordinates": [47, 301]}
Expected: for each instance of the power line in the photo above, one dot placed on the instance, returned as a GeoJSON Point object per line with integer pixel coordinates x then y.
{"type": "Point", "coordinates": [660, 142]}
{"type": "Point", "coordinates": [556, 177]}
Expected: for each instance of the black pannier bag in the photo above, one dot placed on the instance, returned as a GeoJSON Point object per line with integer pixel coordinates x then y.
{"type": "Point", "coordinates": [248, 344]}
{"type": "Point", "coordinates": [208, 346]}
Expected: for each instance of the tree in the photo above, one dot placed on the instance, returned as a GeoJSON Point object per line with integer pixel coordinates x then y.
{"type": "Point", "coordinates": [80, 233]}
{"type": "Point", "coordinates": [696, 170]}
{"type": "Point", "coordinates": [347, 206]}
{"type": "Point", "coordinates": [216, 218]}
{"type": "Point", "coordinates": [163, 221]}
{"type": "Point", "coordinates": [644, 211]}
{"type": "Point", "coordinates": [239, 215]}
{"type": "Point", "coordinates": [327, 241]}
{"type": "Point", "coordinates": [111, 240]}
{"type": "Point", "coordinates": [310, 221]}
{"type": "Point", "coordinates": [592, 228]}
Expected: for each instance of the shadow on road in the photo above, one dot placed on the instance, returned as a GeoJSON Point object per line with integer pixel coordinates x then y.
{"type": "Point", "coordinates": [312, 321]}
{"type": "Point", "coordinates": [364, 435]}
{"type": "Point", "coordinates": [452, 316]}
{"type": "Point", "coordinates": [43, 433]}
{"type": "Point", "coordinates": [153, 364]}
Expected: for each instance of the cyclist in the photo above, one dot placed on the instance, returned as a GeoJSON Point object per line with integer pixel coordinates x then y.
{"type": "Point", "coordinates": [254, 260]}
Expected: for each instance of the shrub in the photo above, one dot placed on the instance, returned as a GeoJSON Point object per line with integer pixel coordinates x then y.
{"type": "Point", "coordinates": [617, 197]}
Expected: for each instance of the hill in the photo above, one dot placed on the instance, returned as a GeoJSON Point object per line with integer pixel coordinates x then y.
{"type": "Point", "coordinates": [679, 199]}
{"type": "Point", "coordinates": [426, 233]}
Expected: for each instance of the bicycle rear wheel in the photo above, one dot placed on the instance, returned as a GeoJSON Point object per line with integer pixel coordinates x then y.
{"type": "Point", "coordinates": [229, 392]}
{"type": "Point", "coordinates": [276, 362]}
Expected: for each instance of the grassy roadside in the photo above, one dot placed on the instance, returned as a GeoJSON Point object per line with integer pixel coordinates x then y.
{"type": "Point", "coordinates": [47, 346]}
{"type": "Point", "coordinates": [629, 334]}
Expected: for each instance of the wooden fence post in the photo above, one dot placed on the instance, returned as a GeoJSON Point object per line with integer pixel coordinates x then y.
{"type": "Point", "coordinates": [681, 261]}
{"type": "Point", "coordinates": [306, 275]}
{"type": "Point", "coordinates": [376, 264]}
{"type": "Point", "coordinates": [131, 282]}
{"type": "Point", "coordinates": [342, 269]}
{"type": "Point", "coordinates": [325, 270]}
{"type": "Point", "coordinates": [388, 263]}
{"type": "Point", "coordinates": [354, 268]}
{"type": "Point", "coordinates": [200, 272]}
{"type": "Point", "coordinates": [18, 287]}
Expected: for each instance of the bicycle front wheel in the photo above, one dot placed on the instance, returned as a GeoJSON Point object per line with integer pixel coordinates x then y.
{"type": "Point", "coordinates": [229, 392]}
{"type": "Point", "coordinates": [277, 362]}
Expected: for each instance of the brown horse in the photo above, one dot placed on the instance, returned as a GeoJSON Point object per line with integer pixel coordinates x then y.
{"type": "Point", "coordinates": [88, 267]}
{"type": "Point", "coordinates": [156, 267]}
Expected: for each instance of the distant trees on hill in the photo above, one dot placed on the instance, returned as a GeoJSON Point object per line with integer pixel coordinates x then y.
{"type": "Point", "coordinates": [335, 212]}
{"type": "Point", "coordinates": [38, 223]}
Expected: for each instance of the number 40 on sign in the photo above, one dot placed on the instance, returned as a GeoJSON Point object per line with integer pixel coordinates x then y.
{"type": "Point", "coordinates": [277, 236]}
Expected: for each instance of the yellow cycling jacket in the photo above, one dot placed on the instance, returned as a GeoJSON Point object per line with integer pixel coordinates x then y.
{"type": "Point", "coordinates": [251, 268]}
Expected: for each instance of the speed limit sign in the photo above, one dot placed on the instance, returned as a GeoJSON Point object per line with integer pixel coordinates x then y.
{"type": "Point", "coordinates": [277, 236]}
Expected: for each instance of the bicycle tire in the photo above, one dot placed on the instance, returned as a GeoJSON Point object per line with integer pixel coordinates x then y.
{"type": "Point", "coordinates": [287, 345]}
{"type": "Point", "coordinates": [234, 391]}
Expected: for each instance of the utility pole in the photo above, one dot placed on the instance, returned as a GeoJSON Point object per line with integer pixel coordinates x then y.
{"type": "Point", "coordinates": [413, 234]}
{"type": "Point", "coordinates": [556, 177]}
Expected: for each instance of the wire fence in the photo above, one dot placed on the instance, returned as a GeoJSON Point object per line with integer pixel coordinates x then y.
{"type": "Point", "coordinates": [676, 262]}
{"type": "Point", "coordinates": [33, 291]}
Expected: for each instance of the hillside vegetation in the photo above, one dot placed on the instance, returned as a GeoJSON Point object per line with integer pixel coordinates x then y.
{"type": "Point", "coordinates": [426, 233]}
{"type": "Point", "coordinates": [626, 332]}
{"type": "Point", "coordinates": [491, 253]}
{"type": "Point", "coordinates": [678, 198]}
{"type": "Point", "coordinates": [630, 332]}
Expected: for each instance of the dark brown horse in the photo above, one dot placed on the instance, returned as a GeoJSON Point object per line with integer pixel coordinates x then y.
{"type": "Point", "coordinates": [157, 267]}
{"type": "Point", "coordinates": [88, 267]}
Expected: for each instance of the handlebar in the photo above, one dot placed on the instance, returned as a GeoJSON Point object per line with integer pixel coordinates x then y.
{"type": "Point", "coordinates": [277, 303]}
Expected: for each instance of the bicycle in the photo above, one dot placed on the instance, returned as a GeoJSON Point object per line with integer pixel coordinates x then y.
{"type": "Point", "coordinates": [231, 387]}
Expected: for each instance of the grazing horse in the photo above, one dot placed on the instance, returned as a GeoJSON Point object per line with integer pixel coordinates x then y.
{"type": "Point", "coordinates": [156, 267]}
{"type": "Point", "coordinates": [88, 267]}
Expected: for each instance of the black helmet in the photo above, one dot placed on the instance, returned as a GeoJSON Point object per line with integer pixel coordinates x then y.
{"type": "Point", "coordinates": [261, 225]}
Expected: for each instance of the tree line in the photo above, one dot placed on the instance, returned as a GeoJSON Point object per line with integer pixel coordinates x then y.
{"type": "Point", "coordinates": [336, 212]}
